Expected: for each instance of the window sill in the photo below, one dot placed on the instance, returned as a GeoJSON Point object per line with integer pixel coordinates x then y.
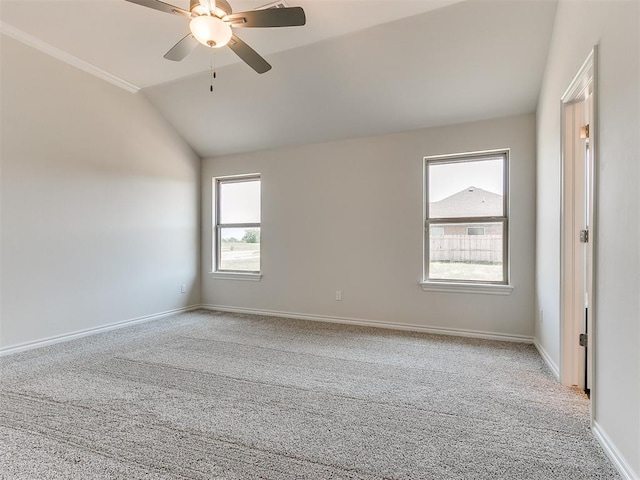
{"type": "Point", "coordinates": [252, 277]}
{"type": "Point", "coordinates": [483, 289]}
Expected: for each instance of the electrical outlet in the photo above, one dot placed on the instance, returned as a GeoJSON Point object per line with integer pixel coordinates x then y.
{"type": "Point", "coordinates": [183, 288]}
{"type": "Point", "coordinates": [338, 295]}
{"type": "Point", "coordinates": [541, 316]}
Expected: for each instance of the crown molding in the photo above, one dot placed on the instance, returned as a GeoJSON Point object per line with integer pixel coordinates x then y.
{"type": "Point", "coordinates": [63, 56]}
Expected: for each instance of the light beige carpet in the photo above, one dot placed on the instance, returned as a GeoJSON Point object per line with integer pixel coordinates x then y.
{"type": "Point", "coordinates": [208, 395]}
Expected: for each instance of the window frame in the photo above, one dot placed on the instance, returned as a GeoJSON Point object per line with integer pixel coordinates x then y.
{"type": "Point", "coordinates": [482, 286]}
{"type": "Point", "coordinates": [218, 226]}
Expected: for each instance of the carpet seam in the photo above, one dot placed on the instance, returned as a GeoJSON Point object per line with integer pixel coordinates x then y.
{"type": "Point", "coordinates": [360, 400]}
{"type": "Point", "coordinates": [236, 443]}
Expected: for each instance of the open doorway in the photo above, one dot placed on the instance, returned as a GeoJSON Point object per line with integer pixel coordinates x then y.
{"type": "Point", "coordinates": [578, 228]}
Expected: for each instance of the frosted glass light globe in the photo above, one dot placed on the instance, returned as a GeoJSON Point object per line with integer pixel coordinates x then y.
{"type": "Point", "coordinates": [210, 31]}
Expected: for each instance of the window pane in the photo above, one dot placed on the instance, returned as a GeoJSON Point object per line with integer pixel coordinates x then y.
{"type": "Point", "coordinates": [466, 188]}
{"type": "Point", "coordinates": [459, 255]}
{"type": "Point", "coordinates": [240, 249]}
{"type": "Point", "coordinates": [240, 202]}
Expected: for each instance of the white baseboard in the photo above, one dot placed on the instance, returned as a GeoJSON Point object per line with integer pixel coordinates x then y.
{"type": "Point", "coordinates": [613, 453]}
{"type": "Point", "coordinates": [90, 331]}
{"type": "Point", "coordinates": [458, 332]}
{"type": "Point", "coordinates": [547, 359]}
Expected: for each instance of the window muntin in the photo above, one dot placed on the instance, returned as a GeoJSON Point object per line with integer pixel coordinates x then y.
{"type": "Point", "coordinates": [237, 224]}
{"type": "Point", "coordinates": [466, 223]}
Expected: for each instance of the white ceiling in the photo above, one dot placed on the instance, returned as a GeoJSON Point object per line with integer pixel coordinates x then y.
{"type": "Point", "coordinates": [359, 67]}
{"type": "Point", "coordinates": [129, 41]}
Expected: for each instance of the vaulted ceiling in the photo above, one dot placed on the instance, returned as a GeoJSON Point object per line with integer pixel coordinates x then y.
{"type": "Point", "coordinates": [358, 68]}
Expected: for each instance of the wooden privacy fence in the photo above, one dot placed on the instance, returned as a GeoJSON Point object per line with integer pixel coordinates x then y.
{"type": "Point", "coordinates": [466, 248]}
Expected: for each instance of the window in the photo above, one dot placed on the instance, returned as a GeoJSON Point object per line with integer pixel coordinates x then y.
{"type": "Point", "coordinates": [237, 225]}
{"type": "Point", "coordinates": [475, 230]}
{"type": "Point", "coordinates": [466, 224]}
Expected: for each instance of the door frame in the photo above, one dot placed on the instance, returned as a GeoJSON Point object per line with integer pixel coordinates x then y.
{"type": "Point", "coordinates": [584, 81]}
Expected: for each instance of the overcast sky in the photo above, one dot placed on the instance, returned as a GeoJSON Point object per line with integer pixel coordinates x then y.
{"type": "Point", "coordinates": [240, 204]}
{"type": "Point", "coordinates": [449, 178]}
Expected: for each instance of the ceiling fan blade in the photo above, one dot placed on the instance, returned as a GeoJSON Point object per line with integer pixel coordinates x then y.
{"type": "Point", "coordinates": [163, 7]}
{"type": "Point", "coordinates": [182, 48]}
{"type": "Point", "coordinates": [249, 55]}
{"type": "Point", "coordinates": [269, 17]}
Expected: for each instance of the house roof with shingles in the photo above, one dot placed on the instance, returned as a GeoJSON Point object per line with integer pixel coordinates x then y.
{"type": "Point", "coordinates": [470, 202]}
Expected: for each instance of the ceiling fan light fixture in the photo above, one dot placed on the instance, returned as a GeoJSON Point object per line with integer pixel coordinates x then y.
{"type": "Point", "coordinates": [210, 31]}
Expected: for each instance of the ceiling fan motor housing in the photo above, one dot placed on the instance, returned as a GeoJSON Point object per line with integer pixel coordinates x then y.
{"type": "Point", "coordinates": [222, 8]}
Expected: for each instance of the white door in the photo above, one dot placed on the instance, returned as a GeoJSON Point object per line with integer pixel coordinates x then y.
{"type": "Point", "coordinates": [577, 217]}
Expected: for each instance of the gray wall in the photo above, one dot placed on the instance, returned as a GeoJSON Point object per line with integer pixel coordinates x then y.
{"type": "Point", "coordinates": [348, 216]}
{"type": "Point", "coordinates": [614, 25]}
{"type": "Point", "coordinates": [99, 203]}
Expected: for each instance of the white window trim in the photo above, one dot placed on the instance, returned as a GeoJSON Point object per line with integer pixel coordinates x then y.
{"type": "Point", "coordinates": [229, 274]}
{"type": "Point", "coordinates": [253, 277]}
{"type": "Point", "coordinates": [452, 286]}
{"type": "Point", "coordinates": [480, 288]}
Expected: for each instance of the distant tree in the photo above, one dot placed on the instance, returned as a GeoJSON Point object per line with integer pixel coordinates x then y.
{"type": "Point", "coordinates": [230, 240]}
{"type": "Point", "coordinates": [251, 235]}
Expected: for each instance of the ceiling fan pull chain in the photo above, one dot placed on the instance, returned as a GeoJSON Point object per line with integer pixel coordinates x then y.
{"type": "Point", "coordinates": [213, 71]}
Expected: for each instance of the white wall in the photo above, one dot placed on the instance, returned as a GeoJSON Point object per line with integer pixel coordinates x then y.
{"type": "Point", "coordinates": [100, 203]}
{"type": "Point", "coordinates": [348, 216]}
{"type": "Point", "coordinates": [614, 25]}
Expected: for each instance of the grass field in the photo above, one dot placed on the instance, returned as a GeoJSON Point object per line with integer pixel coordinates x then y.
{"type": "Point", "coordinates": [466, 271]}
{"type": "Point", "coordinates": [240, 256]}
{"type": "Point", "coordinates": [245, 257]}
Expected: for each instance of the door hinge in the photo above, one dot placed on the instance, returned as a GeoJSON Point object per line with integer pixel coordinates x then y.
{"type": "Point", "coordinates": [584, 340]}
{"type": "Point", "coordinates": [584, 131]}
{"type": "Point", "coordinates": [584, 236]}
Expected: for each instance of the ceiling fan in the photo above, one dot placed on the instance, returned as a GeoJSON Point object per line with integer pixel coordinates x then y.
{"type": "Point", "coordinates": [212, 22]}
